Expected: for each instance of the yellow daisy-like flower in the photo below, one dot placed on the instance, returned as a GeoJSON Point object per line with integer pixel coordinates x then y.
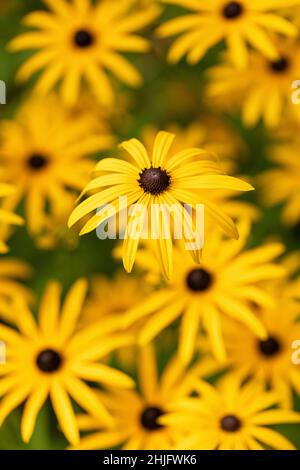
{"type": "Point", "coordinates": [12, 273]}
{"type": "Point", "coordinates": [7, 218]}
{"type": "Point", "coordinates": [239, 23]}
{"type": "Point", "coordinates": [45, 154]}
{"type": "Point", "coordinates": [231, 416]}
{"type": "Point", "coordinates": [78, 40]}
{"type": "Point", "coordinates": [136, 414]}
{"type": "Point", "coordinates": [264, 87]}
{"type": "Point", "coordinates": [52, 359]}
{"type": "Point", "coordinates": [161, 180]}
{"type": "Point", "coordinates": [269, 360]}
{"type": "Point", "coordinates": [286, 179]}
{"type": "Point", "coordinates": [223, 285]}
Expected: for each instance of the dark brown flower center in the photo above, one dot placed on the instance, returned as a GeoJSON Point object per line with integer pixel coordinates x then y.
{"type": "Point", "coordinates": [199, 280]}
{"type": "Point", "coordinates": [154, 180]}
{"type": "Point", "coordinates": [233, 10]}
{"type": "Point", "coordinates": [149, 418]}
{"type": "Point", "coordinates": [269, 347]}
{"type": "Point", "coordinates": [49, 361]}
{"type": "Point", "coordinates": [37, 161]}
{"type": "Point", "coordinates": [280, 65]}
{"type": "Point", "coordinates": [84, 38]}
{"type": "Point", "coordinates": [230, 423]}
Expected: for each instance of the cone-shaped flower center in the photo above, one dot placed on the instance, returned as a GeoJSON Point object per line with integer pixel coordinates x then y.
{"type": "Point", "coordinates": [233, 10]}
{"type": "Point", "coordinates": [84, 38]}
{"type": "Point", "coordinates": [149, 418]}
{"type": "Point", "coordinates": [49, 360]}
{"type": "Point", "coordinates": [154, 180]}
{"type": "Point", "coordinates": [37, 161]}
{"type": "Point", "coordinates": [199, 280]}
{"type": "Point", "coordinates": [280, 65]}
{"type": "Point", "coordinates": [269, 347]}
{"type": "Point", "coordinates": [230, 423]}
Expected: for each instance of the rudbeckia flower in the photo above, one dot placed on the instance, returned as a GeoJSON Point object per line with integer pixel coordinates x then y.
{"type": "Point", "coordinates": [268, 360]}
{"type": "Point", "coordinates": [78, 40]}
{"type": "Point", "coordinates": [52, 358]}
{"type": "Point", "coordinates": [7, 218]}
{"type": "Point", "coordinates": [137, 414]}
{"type": "Point", "coordinates": [240, 23]}
{"type": "Point", "coordinates": [161, 179]}
{"type": "Point", "coordinates": [222, 286]}
{"type": "Point", "coordinates": [264, 88]}
{"type": "Point", "coordinates": [286, 179]}
{"type": "Point", "coordinates": [231, 416]}
{"type": "Point", "coordinates": [46, 155]}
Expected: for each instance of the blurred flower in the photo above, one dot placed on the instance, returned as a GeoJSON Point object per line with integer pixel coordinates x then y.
{"type": "Point", "coordinates": [227, 279]}
{"type": "Point", "coordinates": [7, 218]}
{"type": "Point", "coordinates": [91, 38]}
{"type": "Point", "coordinates": [282, 184]}
{"type": "Point", "coordinates": [161, 180]}
{"type": "Point", "coordinates": [264, 87]}
{"type": "Point", "coordinates": [12, 273]}
{"type": "Point", "coordinates": [239, 22]}
{"type": "Point", "coordinates": [45, 154]}
{"type": "Point", "coordinates": [52, 359]}
{"type": "Point", "coordinates": [136, 414]}
{"type": "Point", "coordinates": [268, 360]}
{"type": "Point", "coordinates": [230, 416]}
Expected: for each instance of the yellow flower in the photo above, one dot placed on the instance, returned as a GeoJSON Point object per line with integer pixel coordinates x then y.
{"type": "Point", "coordinates": [230, 416]}
{"type": "Point", "coordinates": [161, 180]}
{"type": "Point", "coordinates": [7, 218]}
{"type": "Point", "coordinates": [239, 23]}
{"type": "Point", "coordinates": [45, 154]}
{"type": "Point", "coordinates": [269, 360]}
{"type": "Point", "coordinates": [136, 414]}
{"type": "Point", "coordinates": [285, 178]}
{"type": "Point", "coordinates": [78, 40]}
{"type": "Point", "coordinates": [227, 279]}
{"type": "Point", "coordinates": [264, 87]}
{"type": "Point", "coordinates": [12, 272]}
{"type": "Point", "coordinates": [52, 359]}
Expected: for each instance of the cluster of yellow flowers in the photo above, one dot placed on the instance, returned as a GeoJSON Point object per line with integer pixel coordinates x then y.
{"type": "Point", "coordinates": [237, 305]}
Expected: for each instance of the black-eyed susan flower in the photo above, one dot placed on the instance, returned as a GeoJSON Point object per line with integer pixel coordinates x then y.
{"type": "Point", "coordinates": [137, 414]}
{"type": "Point", "coordinates": [231, 416]}
{"type": "Point", "coordinates": [7, 218]}
{"type": "Point", "coordinates": [13, 273]}
{"type": "Point", "coordinates": [160, 180]}
{"type": "Point", "coordinates": [239, 23]}
{"type": "Point", "coordinates": [227, 279]}
{"type": "Point", "coordinates": [46, 155]}
{"type": "Point", "coordinates": [264, 88]}
{"type": "Point", "coordinates": [268, 360]}
{"type": "Point", "coordinates": [285, 177]}
{"type": "Point", "coordinates": [53, 359]}
{"type": "Point", "coordinates": [78, 40]}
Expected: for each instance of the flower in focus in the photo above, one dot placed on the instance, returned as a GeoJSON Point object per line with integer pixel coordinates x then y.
{"type": "Point", "coordinates": [264, 87]}
{"type": "Point", "coordinates": [223, 285]}
{"type": "Point", "coordinates": [239, 23]}
{"type": "Point", "coordinates": [52, 359]}
{"type": "Point", "coordinates": [136, 414]}
{"type": "Point", "coordinates": [45, 154]}
{"type": "Point", "coordinates": [231, 416]}
{"type": "Point", "coordinates": [159, 179]}
{"type": "Point", "coordinates": [7, 218]}
{"type": "Point", "coordinates": [91, 37]}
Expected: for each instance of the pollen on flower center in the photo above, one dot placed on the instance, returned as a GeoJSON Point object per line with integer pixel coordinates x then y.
{"type": "Point", "coordinates": [199, 280]}
{"type": "Point", "coordinates": [84, 38]}
{"type": "Point", "coordinates": [269, 347]}
{"type": "Point", "coordinates": [280, 65]}
{"type": "Point", "coordinates": [49, 361]}
{"type": "Point", "coordinates": [149, 418]}
{"type": "Point", "coordinates": [230, 423]}
{"type": "Point", "coordinates": [154, 180]}
{"type": "Point", "coordinates": [233, 10]}
{"type": "Point", "coordinates": [37, 161]}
